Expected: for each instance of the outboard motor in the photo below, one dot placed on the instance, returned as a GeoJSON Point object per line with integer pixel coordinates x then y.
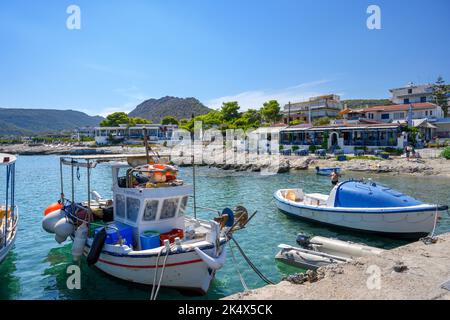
{"type": "Point", "coordinates": [303, 240]}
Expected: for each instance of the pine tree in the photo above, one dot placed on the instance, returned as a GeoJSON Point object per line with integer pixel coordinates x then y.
{"type": "Point", "coordinates": [439, 91]}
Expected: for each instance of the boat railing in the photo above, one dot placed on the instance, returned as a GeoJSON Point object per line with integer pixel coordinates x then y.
{"type": "Point", "coordinates": [4, 222]}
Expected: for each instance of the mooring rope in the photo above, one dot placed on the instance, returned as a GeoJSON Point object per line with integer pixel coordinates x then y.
{"type": "Point", "coordinates": [430, 239]}
{"type": "Point", "coordinates": [250, 263]}
{"type": "Point", "coordinates": [237, 268]}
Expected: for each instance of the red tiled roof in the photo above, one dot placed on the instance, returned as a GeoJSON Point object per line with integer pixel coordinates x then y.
{"type": "Point", "coordinates": [400, 107]}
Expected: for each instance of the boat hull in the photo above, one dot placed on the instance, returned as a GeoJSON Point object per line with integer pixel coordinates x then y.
{"type": "Point", "coordinates": [5, 250]}
{"type": "Point", "coordinates": [10, 242]}
{"type": "Point", "coordinates": [184, 271]}
{"type": "Point", "coordinates": [327, 171]}
{"type": "Point", "coordinates": [410, 224]}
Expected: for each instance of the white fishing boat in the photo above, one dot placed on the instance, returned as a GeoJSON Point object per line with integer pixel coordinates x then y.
{"type": "Point", "coordinates": [143, 234]}
{"type": "Point", "coordinates": [319, 251]}
{"type": "Point", "coordinates": [9, 214]}
{"type": "Point", "coordinates": [363, 206]}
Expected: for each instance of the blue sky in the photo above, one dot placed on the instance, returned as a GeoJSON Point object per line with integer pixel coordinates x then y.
{"type": "Point", "coordinates": [215, 50]}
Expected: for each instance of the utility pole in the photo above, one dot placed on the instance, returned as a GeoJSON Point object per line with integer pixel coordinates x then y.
{"type": "Point", "coordinates": [289, 114]}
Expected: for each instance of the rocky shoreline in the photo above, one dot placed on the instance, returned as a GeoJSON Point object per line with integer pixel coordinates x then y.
{"type": "Point", "coordinates": [82, 149]}
{"type": "Point", "coordinates": [393, 166]}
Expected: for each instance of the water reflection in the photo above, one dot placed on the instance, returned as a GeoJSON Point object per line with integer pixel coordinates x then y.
{"type": "Point", "coordinates": [9, 282]}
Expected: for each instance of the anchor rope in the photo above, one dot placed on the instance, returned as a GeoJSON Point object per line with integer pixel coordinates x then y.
{"type": "Point", "coordinates": [250, 263]}
{"type": "Point", "coordinates": [237, 268]}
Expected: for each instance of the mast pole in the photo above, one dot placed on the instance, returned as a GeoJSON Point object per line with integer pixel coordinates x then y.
{"type": "Point", "coordinates": [193, 168]}
{"type": "Point", "coordinates": [61, 179]}
{"type": "Point", "coordinates": [146, 145]}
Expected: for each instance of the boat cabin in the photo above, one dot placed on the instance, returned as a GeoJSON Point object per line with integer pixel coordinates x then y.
{"type": "Point", "coordinates": [159, 209]}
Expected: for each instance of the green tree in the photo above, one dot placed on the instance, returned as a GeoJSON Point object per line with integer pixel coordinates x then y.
{"type": "Point", "coordinates": [230, 111]}
{"type": "Point", "coordinates": [137, 120]}
{"type": "Point", "coordinates": [169, 120]}
{"type": "Point", "coordinates": [439, 92]}
{"type": "Point", "coordinates": [114, 119]}
{"type": "Point", "coordinates": [252, 116]}
{"type": "Point", "coordinates": [323, 121]}
{"type": "Point", "coordinates": [271, 111]}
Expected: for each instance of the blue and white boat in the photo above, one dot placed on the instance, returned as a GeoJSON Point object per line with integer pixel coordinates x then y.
{"type": "Point", "coordinates": [327, 171]}
{"type": "Point", "coordinates": [363, 206]}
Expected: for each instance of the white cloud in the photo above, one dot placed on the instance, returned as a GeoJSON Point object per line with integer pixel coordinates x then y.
{"type": "Point", "coordinates": [255, 99]}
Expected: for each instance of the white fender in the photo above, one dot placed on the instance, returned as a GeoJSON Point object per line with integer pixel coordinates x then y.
{"type": "Point", "coordinates": [50, 220]}
{"type": "Point", "coordinates": [79, 241]}
{"type": "Point", "coordinates": [213, 263]}
{"type": "Point", "coordinates": [63, 229]}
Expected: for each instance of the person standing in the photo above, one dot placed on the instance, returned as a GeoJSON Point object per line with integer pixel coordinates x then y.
{"type": "Point", "coordinates": [334, 177]}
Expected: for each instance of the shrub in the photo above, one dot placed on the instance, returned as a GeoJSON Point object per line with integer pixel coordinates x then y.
{"type": "Point", "coordinates": [295, 148]}
{"type": "Point", "coordinates": [446, 153]}
{"type": "Point", "coordinates": [312, 148]}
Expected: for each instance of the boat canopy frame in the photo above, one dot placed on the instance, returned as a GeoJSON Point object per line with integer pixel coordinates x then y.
{"type": "Point", "coordinates": [89, 162]}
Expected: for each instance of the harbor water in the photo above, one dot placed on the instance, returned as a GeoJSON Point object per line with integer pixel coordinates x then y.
{"type": "Point", "coordinates": [36, 268]}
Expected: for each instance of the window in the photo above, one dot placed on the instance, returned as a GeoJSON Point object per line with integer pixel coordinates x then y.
{"type": "Point", "coordinates": [183, 205]}
{"type": "Point", "coordinates": [398, 115]}
{"type": "Point", "coordinates": [133, 206]}
{"type": "Point", "coordinates": [406, 101]}
{"type": "Point", "coordinates": [409, 91]}
{"type": "Point", "coordinates": [385, 116]}
{"type": "Point", "coordinates": [431, 112]}
{"type": "Point", "coordinates": [423, 99]}
{"type": "Point", "coordinates": [169, 208]}
{"type": "Point", "coordinates": [426, 112]}
{"type": "Point", "coordinates": [120, 206]}
{"type": "Point", "coordinates": [150, 211]}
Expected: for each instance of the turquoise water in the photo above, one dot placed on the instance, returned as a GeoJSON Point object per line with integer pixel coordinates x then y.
{"type": "Point", "coordinates": [36, 267]}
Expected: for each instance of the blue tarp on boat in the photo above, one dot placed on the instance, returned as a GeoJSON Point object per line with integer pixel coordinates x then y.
{"type": "Point", "coordinates": [356, 194]}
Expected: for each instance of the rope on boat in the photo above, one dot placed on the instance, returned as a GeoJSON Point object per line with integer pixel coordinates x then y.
{"type": "Point", "coordinates": [155, 288]}
{"type": "Point", "coordinates": [237, 268]}
{"type": "Point", "coordinates": [250, 263]}
{"type": "Point", "coordinates": [431, 238]}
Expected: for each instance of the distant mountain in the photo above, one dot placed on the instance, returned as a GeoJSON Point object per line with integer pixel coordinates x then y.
{"type": "Point", "coordinates": [364, 103]}
{"type": "Point", "coordinates": [36, 121]}
{"type": "Point", "coordinates": [156, 109]}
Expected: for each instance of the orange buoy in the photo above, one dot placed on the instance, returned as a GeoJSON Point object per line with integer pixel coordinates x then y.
{"type": "Point", "coordinates": [53, 207]}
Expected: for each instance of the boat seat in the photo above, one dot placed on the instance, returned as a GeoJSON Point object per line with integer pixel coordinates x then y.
{"type": "Point", "coordinates": [316, 199]}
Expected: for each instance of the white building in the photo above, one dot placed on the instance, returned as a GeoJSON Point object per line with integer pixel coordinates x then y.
{"type": "Point", "coordinates": [399, 112]}
{"type": "Point", "coordinates": [413, 94]}
{"type": "Point", "coordinates": [316, 107]}
{"type": "Point", "coordinates": [124, 133]}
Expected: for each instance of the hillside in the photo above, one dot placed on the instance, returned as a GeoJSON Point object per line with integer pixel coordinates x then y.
{"type": "Point", "coordinates": [156, 109]}
{"type": "Point", "coordinates": [36, 121]}
{"type": "Point", "coordinates": [363, 103]}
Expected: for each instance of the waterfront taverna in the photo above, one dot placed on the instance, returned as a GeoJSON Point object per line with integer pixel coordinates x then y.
{"type": "Point", "coordinates": [344, 135]}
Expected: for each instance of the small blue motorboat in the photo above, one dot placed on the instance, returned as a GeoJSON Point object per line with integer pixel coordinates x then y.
{"type": "Point", "coordinates": [363, 206]}
{"type": "Point", "coordinates": [327, 171]}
